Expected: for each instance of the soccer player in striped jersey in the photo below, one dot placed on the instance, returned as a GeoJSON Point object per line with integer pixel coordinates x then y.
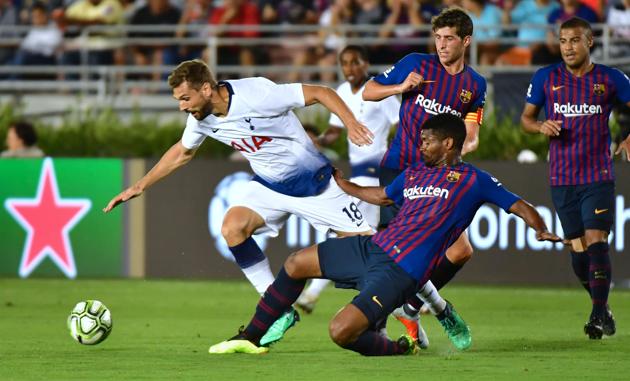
{"type": "Point", "coordinates": [432, 84]}
{"type": "Point", "coordinates": [439, 198]}
{"type": "Point", "coordinates": [578, 97]}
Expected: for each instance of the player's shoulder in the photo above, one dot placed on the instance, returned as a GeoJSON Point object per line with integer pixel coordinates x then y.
{"type": "Point", "coordinates": [545, 71]}
{"type": "Point", "coordinates": [475, 75]}
{"type": "Point", "coordinates": [249, 83]}
{"type": "Point", "coordinates": [609, 70]}
{"type": "Point", "coordinates": [417, 58]}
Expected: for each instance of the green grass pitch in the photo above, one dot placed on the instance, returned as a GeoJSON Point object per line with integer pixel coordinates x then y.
{"type": "Point", "coordinates": [162, 331]}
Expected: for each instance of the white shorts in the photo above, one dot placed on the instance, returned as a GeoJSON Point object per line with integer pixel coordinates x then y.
{"type": "Point", "coordinates": [371, 213]}
{"type": "Point", "coordinates": [331, 210]}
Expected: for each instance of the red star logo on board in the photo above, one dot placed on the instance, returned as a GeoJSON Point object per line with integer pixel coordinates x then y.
{"type": "Point", "coordinates": [47, 219]}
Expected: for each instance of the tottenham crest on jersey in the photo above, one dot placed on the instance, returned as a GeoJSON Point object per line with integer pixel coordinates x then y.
{"type": "Point", "coordinates": [453, 176]}
{"type": "Point", "coordinates": [599, 89]}
{"type": "Point", "coordinates": [465, 96]}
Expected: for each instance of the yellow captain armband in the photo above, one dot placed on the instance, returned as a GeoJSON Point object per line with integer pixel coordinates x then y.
{"type": "Point", "coordinates": [475, 117]}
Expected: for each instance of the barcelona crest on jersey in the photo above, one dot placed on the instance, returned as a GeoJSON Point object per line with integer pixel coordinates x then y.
{"type": "Point", "coordinates": [465, 96]}
{"type": "Point", "coordinates": [453, 176]}
{"type": "Point", "coordinates": [599, 89]}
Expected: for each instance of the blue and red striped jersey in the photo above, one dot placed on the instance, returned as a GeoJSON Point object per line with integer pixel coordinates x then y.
{"type": "Point", "coordinates": [438, 204]}
{"type": "Point", "coordinates": [581, 154]}
{"type": "Point", "coordinates": [440, 93]}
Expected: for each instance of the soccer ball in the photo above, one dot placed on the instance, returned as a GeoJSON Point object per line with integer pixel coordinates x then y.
{"type": "Point", "coordinates": [90, 322]}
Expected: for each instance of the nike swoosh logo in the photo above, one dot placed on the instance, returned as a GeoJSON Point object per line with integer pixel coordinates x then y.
{"type": "Point", "coordinates": [360, 223]}
{"type": "Point", "coordinates": [429, 81]}
{"type": "Point", "coordinates": [600, 211]}
{"type": "Point", "coordinates": [554, 88]}
{"type": "Point", "coordinates": [214, 130]}
{"type": "Point", "coordinates": [375, 299]}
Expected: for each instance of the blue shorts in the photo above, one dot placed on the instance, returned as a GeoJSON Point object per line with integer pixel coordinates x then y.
{"type": "Point", "coordinates": [588, 206]}
{"type": "Point", "coordinates": [356, 262]}
{"type": "Point", "coordinates": [385, 177]}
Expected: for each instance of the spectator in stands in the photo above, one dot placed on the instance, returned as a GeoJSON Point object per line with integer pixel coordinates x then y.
{"type": "Point", "coordinates": [619, 21]}
{"type": "Point", "coordinates": [8, 18]}
{"type": "Point", "coordinates": [155, 12]}
{"type": "Point", "coordinates": [531, 17]}
{"type": "Point", "coordinates": [41, 43]}
{"type": "Point", "coordinates": [289, 11]}
{"type": "Point", "coordinates": [83, 13]}
{"type": "Point", "coordinates": [404, 19]}
{"type": "Point", "coordinates": [373, 12]}
{"type": "Point", "coordinates": [486, 19]}
{"type": "Point", "coordinates": [21, 141]}
{"type": "Point", "coordinates": [568, 9]}
{"type": "Point", "coordinates": [234, 12]}
{"type": "Point", "coordinates": [195, 13]}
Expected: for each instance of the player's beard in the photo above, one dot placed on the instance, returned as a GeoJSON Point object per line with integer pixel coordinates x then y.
{"type": "Point", "coordinates": [203, 111]}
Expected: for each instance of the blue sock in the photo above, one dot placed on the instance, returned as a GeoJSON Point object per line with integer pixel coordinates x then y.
{"type": "Point", "coordinates": [371, 343]}
{"type": "Point", "coordinates": [247, 253]}
{"type": "Point", "coordinates": [580, 263]}
{"type": "Point", "coordinates": [278, 299]}
{"type": "Point", "coordinates": [599, 275]}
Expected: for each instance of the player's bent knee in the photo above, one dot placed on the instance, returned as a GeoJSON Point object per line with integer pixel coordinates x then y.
{"type": "Point", "coordinates": [342, 332]}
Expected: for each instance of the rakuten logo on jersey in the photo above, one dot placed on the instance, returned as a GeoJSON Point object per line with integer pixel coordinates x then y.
{"type": "Point", "coordinates": [571, 110]}
{"type": "Point", "coordinates": [424, 192]}
{"type": "Point", "coordinates": [433, 107]}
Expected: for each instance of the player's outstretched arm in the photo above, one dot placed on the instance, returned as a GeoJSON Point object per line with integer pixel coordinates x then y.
{"type": "Point", "coordinates": [372, 195]}
{"type": "Point", "coordinates": [175, 157]}
{"type": "Point", "coordinates": [374, 91]}
{"type": "Point", "coordinates": [530, 123]}
{"type": "Point", "coordinates": [530, 215]}
{"type": "Point", "coordinates": [357, 132]}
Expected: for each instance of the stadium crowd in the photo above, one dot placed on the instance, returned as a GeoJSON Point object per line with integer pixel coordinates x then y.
{"type": "Point", "coordinates": [54, 36]}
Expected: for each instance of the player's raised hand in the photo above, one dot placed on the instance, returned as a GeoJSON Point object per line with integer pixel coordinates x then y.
{"type": "Point", "coordinates": [551, 127]}
{"type": "Point", "coordinates": [124, 196]}
{"type": "Point", "coordinates": [358, 133]}
{"type": "Point", "coordinates": [624, 146]}
{"type": "Point", "coordinates": [412, 81]}
{"type": "Point", "coordinates": [548, 236]}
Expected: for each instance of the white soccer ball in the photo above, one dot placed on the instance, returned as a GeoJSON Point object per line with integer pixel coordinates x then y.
{"type": "Point", "coordinates": [90, 322]}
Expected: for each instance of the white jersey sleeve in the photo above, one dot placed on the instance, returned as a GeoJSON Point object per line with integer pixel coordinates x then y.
{"type": "Point", "coordinates": [193, 136]}
{"type": "Point", "coordinates": [391, 109]}
{"type": "Point", "coordinates": [272, 99]}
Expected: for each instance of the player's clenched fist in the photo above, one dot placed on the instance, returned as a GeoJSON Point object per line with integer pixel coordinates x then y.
{"type": "Point", "coordinates": [412, 81]}
{"type": "Point", "coordinates": [124, 196]}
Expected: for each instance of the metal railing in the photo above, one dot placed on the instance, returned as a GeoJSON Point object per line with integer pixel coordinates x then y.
{"type": "Point", "coordinates": [107, 81]}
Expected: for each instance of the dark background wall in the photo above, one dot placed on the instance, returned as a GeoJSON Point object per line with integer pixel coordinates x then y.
{"type": "Point", "coordinates": [182, 244]}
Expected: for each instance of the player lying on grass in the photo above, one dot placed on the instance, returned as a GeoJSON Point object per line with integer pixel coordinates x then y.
{"type": "Point", "coordinates": [439, 199]}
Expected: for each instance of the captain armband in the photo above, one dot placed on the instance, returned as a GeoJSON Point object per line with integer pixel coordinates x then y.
{"type": "Point", "coordinates": [475, 116]}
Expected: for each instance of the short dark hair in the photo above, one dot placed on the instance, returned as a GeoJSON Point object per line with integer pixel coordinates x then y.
{"type": "Point", "coordinates": [39, 5]}
{"type": "Point", "coordinates": [195, 72]}
{"type": "Point", "coordinates": [453, 17]}
{"type": "Point", "coordinates": [447, 126]}
{"type": "Point", "coordinates": [360, 50]}
{"type": "Point", "coordinates": [578, 22]}
{"type": "Point", "coordinates": [25, 131]}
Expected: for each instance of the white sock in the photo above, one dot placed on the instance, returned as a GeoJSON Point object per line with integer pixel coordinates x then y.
{"type": "Point", "coordinates": [431, 298]}
{"type": "Point", "coordinates": [315, 288]}
{"type": "Point", "coordinates": [260, 275]}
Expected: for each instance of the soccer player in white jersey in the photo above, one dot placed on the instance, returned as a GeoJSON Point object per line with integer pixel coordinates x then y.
{"type": "Point", "coordinates": [255, 117]}
{"type": "Point", "coordinates": [365, 161]}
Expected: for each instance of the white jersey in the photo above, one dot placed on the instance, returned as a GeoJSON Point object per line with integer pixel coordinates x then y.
{"type": "Point", "coordinates": [377, 116]}
{"type": "Point", "coordinates": [261, 125]}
